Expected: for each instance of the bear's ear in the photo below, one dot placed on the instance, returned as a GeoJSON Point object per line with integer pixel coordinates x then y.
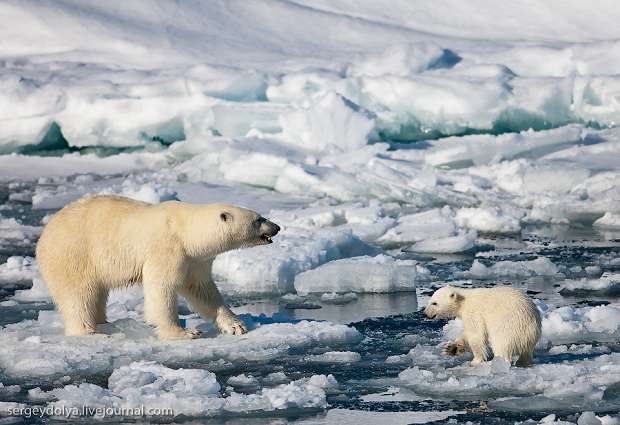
{"type": "Point", "coordinates": [456, 296]}
{"type": "Point", "coordinates": [226, 216]}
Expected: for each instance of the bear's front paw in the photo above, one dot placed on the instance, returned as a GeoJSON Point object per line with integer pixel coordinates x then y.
{"type": "Point", "coordinates": [450, 349]}
{"type": "Point", "coordinates": [231, 324]}
{"type": "Point", "coordinates": [176, 332]}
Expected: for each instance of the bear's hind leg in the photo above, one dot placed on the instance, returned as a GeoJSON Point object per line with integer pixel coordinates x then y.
{"type": "Point", "coordinates": [525, 359]}
{"type": "Point", "coordinates": [102, 303]}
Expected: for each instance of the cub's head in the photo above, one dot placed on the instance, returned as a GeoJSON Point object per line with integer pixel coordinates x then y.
{"type": "Point", "coordinates": [242, 228]}
{"type": "Point", "coordinates": [444, 304]}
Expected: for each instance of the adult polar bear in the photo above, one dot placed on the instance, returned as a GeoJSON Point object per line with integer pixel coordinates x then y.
{"type": "Point", "coordinates": [502, 319]}
{"type": "Point", "coordinates": [105, 242]}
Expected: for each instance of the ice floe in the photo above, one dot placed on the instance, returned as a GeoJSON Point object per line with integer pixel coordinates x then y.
{"type": "Point", "coordinates": [362, 274]}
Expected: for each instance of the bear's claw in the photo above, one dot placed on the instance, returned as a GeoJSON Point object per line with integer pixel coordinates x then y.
{"type": "Point", "coordinates": [231, 324]}
{"type": "Point", "coordinates": [454, 348]}
{"type": "Point", "coordinates": [169, 334]}
{"type": "Point", "coordinates": [450, 349]}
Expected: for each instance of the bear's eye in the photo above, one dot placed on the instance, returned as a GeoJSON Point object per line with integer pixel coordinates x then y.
{"type": "Point", "coordinates": [225, 216]}
{"type": "Point", "coordinates": [433, 303]}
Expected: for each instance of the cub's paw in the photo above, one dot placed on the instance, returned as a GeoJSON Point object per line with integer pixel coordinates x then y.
{"type": "Point", "coordinates": [231, 324]}
{"type": "Point", "coordinates": [450, 349]}
{"type": "Point", "coordinates": [177, 332]}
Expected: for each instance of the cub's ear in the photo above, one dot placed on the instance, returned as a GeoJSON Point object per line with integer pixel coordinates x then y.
{"type": "Point", "coordinates": [226, 216]}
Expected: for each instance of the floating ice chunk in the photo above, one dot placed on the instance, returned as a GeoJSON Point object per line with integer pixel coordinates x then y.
{"type": "Point", "coordinates": [329, 123]}
{"type": "Point", "coordinates": [541, 266]}
{"type": "Point", "coordinates": [242, 381]}
{"type": "Point", "coordinates": [461, 242]}
{"type": "Point", "coordinates": [523, 177]}
{"type": "Point", "coordinates": [364, 417]}
{"type": "Point", "coordinates": [189, 392]}
{"type": "Point", "coordinates": [11, 229]}
{"type": "Point", "coordinates": [38, 292]}
{"type": "Point", "coordinates": [432, 224]}
{"type": "Point", "coordinates": [366, 222]}
{"type": "Point", "coordinates": [579, 349]}
{"type": "Point", "coordinates": [489, 219]}
{"type": "Point", "coordinates": [335, 357]}
{"type": "Point", "coordinates": [362, 274]}
{"type": "Point", "coordinates": [148, 193]}
{"type": "Point", "coordinates": [568, 385]}
{"type": "Point", "coordinates": [17, 268]}
{"type": "Point", "coordinates": [11, 408]}
{"type": "Point", "coordinates": [275, 378]}
{"type": "Point", "coordinates": [401, 59]}
{"type": "Point", "coordinates": [581, 325]}
{"type": "Point", "coordinates": [608, 221]}
{"type": "Point", "coordinates": [607, 285]}
{"type": "Point", "coordinates": [336, 298]}
{"type": "Point", "coordinates": [272, 269]}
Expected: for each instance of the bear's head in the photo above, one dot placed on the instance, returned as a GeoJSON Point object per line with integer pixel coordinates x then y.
{"type": "Point", "coordinates": [444, 304]}
{"type": "Point", "coordinates": [209, 230]}
{"type": "Point", "coordinates": [243, 228]}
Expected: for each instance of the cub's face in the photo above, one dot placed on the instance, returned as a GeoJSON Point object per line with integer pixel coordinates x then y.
{"type": "Point", "coordinates": [444, 303]}
{"type": "Point", "coordinates": [243, 228]}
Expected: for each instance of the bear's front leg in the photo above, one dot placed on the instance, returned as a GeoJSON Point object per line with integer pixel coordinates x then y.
{"type": "Point", "coordinates": [457, 347]}
{"type": "Point", "coordinates": [161, 280]}
{"type": "Point", "coordinates": [228, 322]}
{"type": "Point", "coordinates": [205, 299]}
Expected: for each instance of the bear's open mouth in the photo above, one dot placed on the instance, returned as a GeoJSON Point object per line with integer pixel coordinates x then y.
{"type": "Point", "coordinates": [266, 238]}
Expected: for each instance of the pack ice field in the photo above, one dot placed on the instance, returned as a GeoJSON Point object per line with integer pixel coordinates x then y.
{"type": "Point", "coordinates": [401, 148]}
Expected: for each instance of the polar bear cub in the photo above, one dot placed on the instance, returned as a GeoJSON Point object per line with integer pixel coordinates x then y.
{"type": "Point", "coordinates": [104, 242]}
{"type": "Point", "coordinates": [501, 319]}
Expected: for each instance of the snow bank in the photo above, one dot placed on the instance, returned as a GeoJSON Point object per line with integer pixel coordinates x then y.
{"type": "Point", "coordinates": [329, 122]}
{"type": "Point", "coordinates": [362, 274]}
{"type": "Point", "coordinates": [188, 392]}
{"type": "Point", "coordinates": [511, 269]}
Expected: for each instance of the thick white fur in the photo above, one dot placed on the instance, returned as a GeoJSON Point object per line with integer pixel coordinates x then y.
{"type": "Point", "coordinates": [502, 319]}
{"type": "Point", "coordinates": [106, 242]}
